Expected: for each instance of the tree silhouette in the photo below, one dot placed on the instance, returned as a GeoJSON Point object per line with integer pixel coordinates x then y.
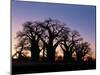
{"type": "Point", "coordinates": [53, 31]}
{"type": "Point", "coordinates": [70, 38]}
{"type": "Point", "coordinates": [31, 31]}
{"type": "Point", "coordinates": [46, 36]}
{"type": "Point", "coordinates": [81, 50]}
{"type": "Point", "coordinates": [20, 47]}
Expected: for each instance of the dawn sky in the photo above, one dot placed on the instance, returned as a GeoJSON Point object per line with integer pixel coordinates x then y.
{"type": "Point", "coordinates": [80, 18]}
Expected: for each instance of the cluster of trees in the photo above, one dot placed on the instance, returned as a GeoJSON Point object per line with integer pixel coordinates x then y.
{"type": "Point", "coordinates": [46, 36]}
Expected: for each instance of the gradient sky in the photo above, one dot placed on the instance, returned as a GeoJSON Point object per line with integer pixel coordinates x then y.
{"type": "Point", "coordinates": [77, 17]}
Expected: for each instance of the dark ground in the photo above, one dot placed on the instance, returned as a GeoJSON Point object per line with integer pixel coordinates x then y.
{"type": "Point", "coordinates": [40, 68]}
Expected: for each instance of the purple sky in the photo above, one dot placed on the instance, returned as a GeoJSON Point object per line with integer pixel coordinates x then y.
{"type": "Point", "coordinates": [77, 17]}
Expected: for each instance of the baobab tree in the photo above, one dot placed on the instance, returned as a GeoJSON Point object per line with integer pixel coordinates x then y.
{"type": "Point", "coordinates": [70, 38]}
{"type": "Point", "coordinates": [81, 50]}
{"type": "Point", "coordinates": [46, 36]}
{"type": "Point", "coordinates": [53, 31]}
{"type": "Point", "coordinates": [20, 47]}
{"type": "Point", "coordinates": [32, 31]}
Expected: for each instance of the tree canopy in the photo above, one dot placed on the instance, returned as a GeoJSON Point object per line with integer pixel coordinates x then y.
{"type": "Point", "coordinates": [45, 36]}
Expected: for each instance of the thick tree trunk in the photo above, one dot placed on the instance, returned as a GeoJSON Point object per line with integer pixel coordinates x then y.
{"type": "Point", "coordinates": [80, 55]}
{"type": "Point", "coordinates": [34, 52]}
{"type": "Point", "coordinates": [50, 51]}
{"type": "Point", "coordinates": [50, 55]}
{"type": "Point", "coordinates": [67, 57]}
{"type": "Point", "coordinates": [79, 58]}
